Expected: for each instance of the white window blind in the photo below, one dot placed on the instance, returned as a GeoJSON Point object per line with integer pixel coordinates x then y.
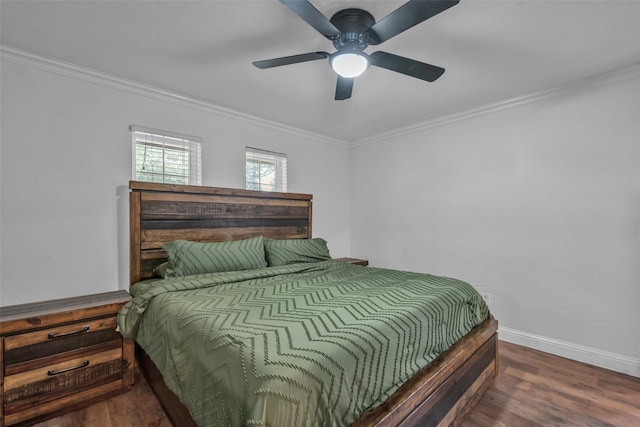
{"type": "Point", "coordinates": [160, 156]}
{"type": "Point", "coordinates": [265, 170]}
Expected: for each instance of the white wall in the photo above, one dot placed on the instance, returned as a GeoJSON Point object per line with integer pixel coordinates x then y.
{"type": "Point", "coordinates": [537, 204]}
{"type": "Point", "coordinates": [66, 164]}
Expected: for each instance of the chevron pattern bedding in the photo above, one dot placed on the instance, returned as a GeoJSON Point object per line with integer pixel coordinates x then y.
{"type": "Point", "coordinates": [308, 344]}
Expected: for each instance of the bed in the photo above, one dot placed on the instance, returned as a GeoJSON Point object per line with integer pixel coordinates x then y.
{"type": "Point", "coordinates": [438, 387]}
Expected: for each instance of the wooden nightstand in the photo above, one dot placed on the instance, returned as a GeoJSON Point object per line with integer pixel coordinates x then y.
{"type": "Point", "coordinates": [57, 356]}
{"type": "Point", "coordinates": [355, 261]}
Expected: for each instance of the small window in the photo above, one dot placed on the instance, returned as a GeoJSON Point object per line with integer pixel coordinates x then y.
{"type": "Point", "coordinates": [167, 157]}
{"type": "Point", "coordinates": [266, 170]}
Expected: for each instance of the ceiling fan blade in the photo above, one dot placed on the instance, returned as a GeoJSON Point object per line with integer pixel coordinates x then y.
{"type": "Point", "coordinates": [406, 16]}
{"type": "Point", "coordinates": [294, 59]}
{"type": "Point", "coordinates": [407, 66]}
{"type": "Point", "coordinates": [312, 16]}
{"type": "Point", "coordinates": [344, 87]}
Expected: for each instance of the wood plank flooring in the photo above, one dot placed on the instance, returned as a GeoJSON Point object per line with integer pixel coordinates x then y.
{"type": "Point", "coordinates": [532, 389]}
{"type": "Point", "coordinates": [538, 389]}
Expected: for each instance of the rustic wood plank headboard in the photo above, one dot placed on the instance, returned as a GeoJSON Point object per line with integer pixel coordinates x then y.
{"type": "Point", "coordinates": [161, 213]}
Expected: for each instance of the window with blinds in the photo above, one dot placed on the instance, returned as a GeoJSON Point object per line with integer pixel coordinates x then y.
{"type": "Point", "coordinates": [265, 170]}
{"type": "Point", "coordinates": [167, 157]}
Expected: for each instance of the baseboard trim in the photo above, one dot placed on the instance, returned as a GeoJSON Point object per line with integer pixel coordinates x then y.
{"type": "Point", "coordinates": [592, 356]}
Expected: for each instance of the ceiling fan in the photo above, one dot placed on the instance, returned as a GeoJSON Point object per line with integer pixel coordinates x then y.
{"type": "Point", "coordinates": [353, 30]}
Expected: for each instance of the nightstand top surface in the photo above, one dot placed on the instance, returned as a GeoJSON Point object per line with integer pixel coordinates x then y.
{"type": "Point", "coordinates": [43, 309]}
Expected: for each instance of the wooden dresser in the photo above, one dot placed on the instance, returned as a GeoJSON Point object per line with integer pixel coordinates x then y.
{"type": "Point", "coordinates": [60, 355]}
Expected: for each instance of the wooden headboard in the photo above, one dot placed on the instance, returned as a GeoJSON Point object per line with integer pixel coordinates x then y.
{"type": "Point", "coordinates": [161, 213]}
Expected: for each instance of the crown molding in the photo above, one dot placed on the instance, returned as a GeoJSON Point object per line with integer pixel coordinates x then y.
{"type": "Point", "coordinates": [89, 75]}
{"type": "Point", "coordinates": [618, 75]}
{"type": "Point", "coordinates": [118, 83]}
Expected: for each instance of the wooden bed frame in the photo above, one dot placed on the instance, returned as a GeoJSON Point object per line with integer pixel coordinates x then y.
{"type": "Point", "coordinates": [440, 394]}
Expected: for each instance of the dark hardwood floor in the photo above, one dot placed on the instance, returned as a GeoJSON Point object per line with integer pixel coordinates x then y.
{"type": "Point", "coordinates": [538, 389]}
{"type": "Point", "coordinates": [532, 389]}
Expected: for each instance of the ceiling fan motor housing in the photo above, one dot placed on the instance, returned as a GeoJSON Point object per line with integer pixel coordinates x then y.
{"type": "Point", "coordinates": [352, 23]}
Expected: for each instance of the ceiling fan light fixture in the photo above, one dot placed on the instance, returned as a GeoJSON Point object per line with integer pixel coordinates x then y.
{"type": "Point", "coordinates": [349, 64]}
{"type": "Point", "coordinates": [352, 30]}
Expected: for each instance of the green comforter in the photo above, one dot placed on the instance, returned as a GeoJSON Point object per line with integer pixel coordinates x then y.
{"type": "Point", "coordinates": [313, 344]}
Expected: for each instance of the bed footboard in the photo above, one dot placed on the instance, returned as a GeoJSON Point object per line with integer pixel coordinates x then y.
{"type": "Point", "coordinates": [444, 391]}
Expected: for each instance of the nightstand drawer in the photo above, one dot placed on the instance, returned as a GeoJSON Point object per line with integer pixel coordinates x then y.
{"type": "Point", "coordinates": [61, 375]}
{"type": "Point", "coordinates": [27, 416]}
{"type": "Point", "coordinates": [33, 345]}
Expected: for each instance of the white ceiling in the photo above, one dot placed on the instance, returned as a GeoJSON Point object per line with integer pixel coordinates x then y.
{"type": "Point", "coordinates": [491, 50]}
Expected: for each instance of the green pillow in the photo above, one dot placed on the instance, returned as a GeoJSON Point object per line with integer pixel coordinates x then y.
{"type": "Point", "coordinates": [291, 251]}
{"type": "Point", "coordinates": [187, 258]}
{"type": "Point", "coordinates": [161, 270]}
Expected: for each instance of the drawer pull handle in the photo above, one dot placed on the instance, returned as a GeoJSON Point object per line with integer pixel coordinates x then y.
{"type": "Point", "coordinates": [64, 334]}
{"type": "Point", "coordinates": [62, 371]}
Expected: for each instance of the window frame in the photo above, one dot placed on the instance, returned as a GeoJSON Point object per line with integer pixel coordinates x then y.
{"type": "Point", "coordinates": [171, 142]}
{"type": "Point", "coordinates": [260, 156]}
